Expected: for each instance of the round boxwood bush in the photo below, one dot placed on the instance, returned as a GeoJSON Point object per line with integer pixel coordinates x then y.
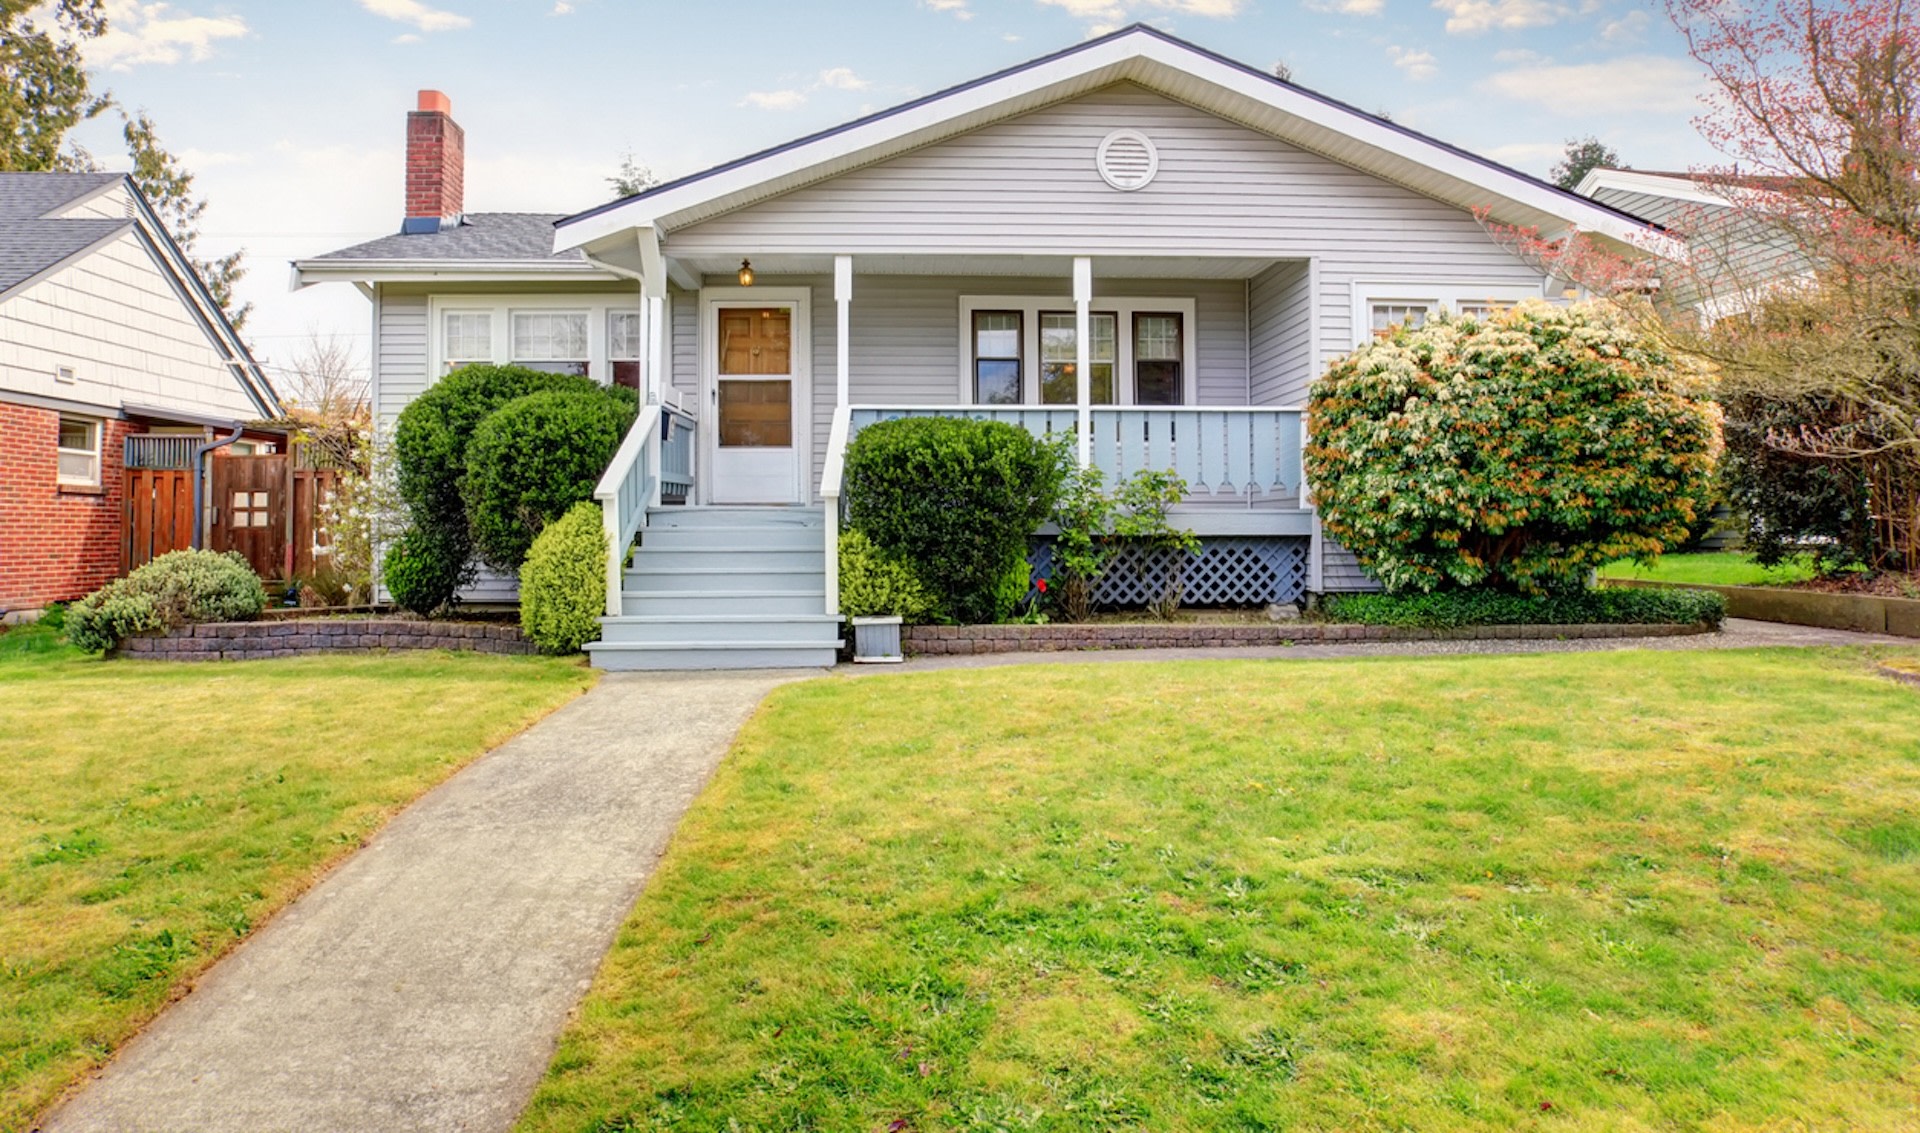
{"type": "Point", "coordinates": [1518, 452]}
{"type": "Point", "coordinates": [563, 584]}
{"type": "Point", "coordinates": [430, 441]}
{"type": "Point", "coordinates": [178, 588]}
{"type": "Point", "coordinates": [531, 460]}
{"type": "Point", "coordinates": [425, 568]}
{"type": "Point", "coordinates": [958, 499]}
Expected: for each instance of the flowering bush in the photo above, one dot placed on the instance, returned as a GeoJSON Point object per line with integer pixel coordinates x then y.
{"type": "Point", "coordinates": [1518, 452]}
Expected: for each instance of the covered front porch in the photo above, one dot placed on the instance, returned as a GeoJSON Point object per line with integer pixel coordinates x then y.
{"type": "Point", "coordinates": [763, 367]}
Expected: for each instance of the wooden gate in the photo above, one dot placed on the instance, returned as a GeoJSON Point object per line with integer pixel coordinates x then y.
{"type": "Point", "coordinates": [249, 500]}
{"type": "Point", "coordinates": [156, 514]}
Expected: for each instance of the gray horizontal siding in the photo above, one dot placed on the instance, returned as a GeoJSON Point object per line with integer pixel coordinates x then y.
{"type": "Point", "coordinates": [1279, 334]}
{"type": "Point", "coordinates": [1028, 186]}
{"type": "Point", "coordinates": [401, 352]}
{"type": "Point", "coordinates": [1341, 572]}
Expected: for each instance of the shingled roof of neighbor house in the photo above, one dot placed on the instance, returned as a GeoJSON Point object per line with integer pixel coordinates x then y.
{"type": "Point", "coordinates": [480, 236]}
{"type": "Point", "coordinates": [31, 241]}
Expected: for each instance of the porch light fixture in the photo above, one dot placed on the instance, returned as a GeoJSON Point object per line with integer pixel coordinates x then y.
{"type": "Point", "coordinates": [746, 273]}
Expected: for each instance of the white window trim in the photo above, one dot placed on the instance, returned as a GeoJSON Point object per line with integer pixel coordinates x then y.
{"type": "Point", "coordinates": [501, 309]}
{"type": "Point", "coordinates": [98, 431]}
{"type": "Point", "coordinates": [1445, 296]}
{"type": "Point", "coordinates": [1123, 308]}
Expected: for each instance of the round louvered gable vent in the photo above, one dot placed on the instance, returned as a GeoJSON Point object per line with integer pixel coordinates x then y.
{"type": "Point", "coordinates": [1127, 160]}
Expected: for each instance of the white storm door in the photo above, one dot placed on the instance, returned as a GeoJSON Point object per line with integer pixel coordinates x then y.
{"type": "Point", "coordinates": [756, 416]}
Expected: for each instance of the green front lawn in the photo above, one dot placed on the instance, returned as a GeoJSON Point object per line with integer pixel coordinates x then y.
{"type": "Point", "coordinates": [1621, 891]}
{"type": "Point", "coordinates": [152, 814]}
{"type": "Point", "coordinates": [1712, 568]}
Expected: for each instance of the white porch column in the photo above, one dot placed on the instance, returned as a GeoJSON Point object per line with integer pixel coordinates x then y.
{"type": "Point", "coordinates": [657, 362]}
{"type": "Point", "coordinates": [843, 299]}
{"type": "Point", "coordinates": [1083, 352]}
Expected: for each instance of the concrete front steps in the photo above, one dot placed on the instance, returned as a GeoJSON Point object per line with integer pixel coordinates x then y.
{"type": "Point", "coordinates": [723, 588]}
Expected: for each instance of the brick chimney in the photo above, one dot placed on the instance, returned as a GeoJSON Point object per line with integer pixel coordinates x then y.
{"type": "Point", "coordinates": [436, 165]}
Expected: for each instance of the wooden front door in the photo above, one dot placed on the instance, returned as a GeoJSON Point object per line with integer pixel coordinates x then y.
{"type": "Point", "coordinates": [250, 510]}
{"type": "Point", "coordinates": [756, 404]}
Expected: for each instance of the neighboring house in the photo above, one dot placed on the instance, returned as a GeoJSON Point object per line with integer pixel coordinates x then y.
{"type": "Point", "coordinates": [105, 333]}
{"type": "Point", "coordinates": [1135, 240]}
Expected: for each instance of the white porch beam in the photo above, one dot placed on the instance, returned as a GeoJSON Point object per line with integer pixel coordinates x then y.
{"type": "Point", "coordinates": [682, 275]}
{"type": "Point", "coordinates": [843, 300]}
{"type": "Point", "coordinates": [1083, 352]}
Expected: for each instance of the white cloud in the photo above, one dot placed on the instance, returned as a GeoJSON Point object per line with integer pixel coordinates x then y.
{"type": "Point", "coordinates": [1536, 154]}
{"type": "Point", "coordinates": [562, 8]}
{"type": "Point", "coordinates": [1348, 7]}
{"type": "Point", "coordinates": [1655, 84]}
{"type": "Point", "coordinates": [154, 33]}
{"type": "Point", "coordinates": [1106, 15]}
{"type": "Point", "coordinates": [1519, 55]}
{"type": "Point", "coordinates": [1414, 62]}
{"type": "Point", "coordinates": [1630, 28]}
{"type": "Point", "coordinates": [418, 14]}
{"type": "Point", "coordinates": [406, 37]}
{"type": "Point", "coordinates": [958, 8]}
{"type": "Point", "coordinates": [1469, 17]}
{"type": "Point", "coordinates": [774, 99]}
{"type": "Point", "coordinates": [842, 78]}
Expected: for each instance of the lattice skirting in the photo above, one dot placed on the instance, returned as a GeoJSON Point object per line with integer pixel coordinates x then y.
{"type": "Point", "coordinates": [1239, 571]}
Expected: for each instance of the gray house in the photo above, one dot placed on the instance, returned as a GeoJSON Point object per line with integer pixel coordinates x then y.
{"type": "Point", "coordinates": [1135, 241]}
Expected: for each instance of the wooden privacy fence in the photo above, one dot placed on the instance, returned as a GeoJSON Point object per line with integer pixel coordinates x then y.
{"type": "Point", "coordinates": [267, 508]}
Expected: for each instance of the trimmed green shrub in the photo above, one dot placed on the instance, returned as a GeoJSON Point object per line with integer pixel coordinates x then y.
{"type": "Point", "coordinates": [425, 568]}
{"type": "Point", "coordinates": [874, 583]}
{"type": "Point", "coordinates": [176, 589]}
{"type": "Point", "coordinates": [1447, 609]}
{"type": "Point", "coordinates": [563, 583]}
{"type": "Point", "coordinates": [957, 498]}
{"type": "Point", "coordinates": [531, 460]}
{"type": "Point", "coordinates": [430, 445]}
{"type": "Point", "coordinates": [1518, 452]}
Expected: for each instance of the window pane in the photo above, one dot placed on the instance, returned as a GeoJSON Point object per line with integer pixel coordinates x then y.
{"type": "Point", "coordinates": [623, 335]}
{"type": "Point", "coordinates": [996, 334]}
{"type": "Point", "coordinates": [77, 466]}
{"type": "Point", "coordinates": [549, 336]}
{"type": "Point", "coordinates": [1059, 354]}
{"type": "Point", "coordinates": [626, 374]}
{"type": "Point", "coordinates": [1391, 315]}
{"type": "Point", "coordinates": [756, 340]}
{"type": "Point", "coordinates": [469, 337]}
{"type": "Point", "coordinates": [76, 434]}
{"type": "Point", "coordinates": [1484, 308]}
{"type": "Point", "coordinates": [996, 381]}
{"type": "Point", "coordinates": [1157, 383]}
{"type": "Point", "coordinates": [1156, 338]}
{"type": "Point", "coordinates": [578, 369]}
{"type": "Point", "coordinates": [756, 414]}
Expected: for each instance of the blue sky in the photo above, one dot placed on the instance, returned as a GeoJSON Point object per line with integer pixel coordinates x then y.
{"type": "Point", "coordinates": [291, 114]}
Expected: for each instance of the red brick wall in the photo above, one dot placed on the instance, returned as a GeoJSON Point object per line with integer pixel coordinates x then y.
{"type": "Point", "coordinates": [56, 543]}
{"type": "Point", "coordinates": [436, 165]}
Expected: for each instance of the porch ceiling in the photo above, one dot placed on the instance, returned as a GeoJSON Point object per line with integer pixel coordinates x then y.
{"type": "Point", "coordinates": [1058, 267]}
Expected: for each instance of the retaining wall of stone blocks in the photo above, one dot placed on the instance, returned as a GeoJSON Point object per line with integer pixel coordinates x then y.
{"type": "Point", "coordinates": [255, 641]}
{"type": "Point", "coordinates": [949, 640]}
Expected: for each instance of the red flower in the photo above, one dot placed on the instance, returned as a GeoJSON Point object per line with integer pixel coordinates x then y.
{"type": "Point", "coordinates": [1041, 584]}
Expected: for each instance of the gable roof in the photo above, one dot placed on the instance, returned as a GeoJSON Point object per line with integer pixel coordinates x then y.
{"type": "Point", "coordinates": [1155, 60]}
{"type": "Point", "coordinates": [35, 241]}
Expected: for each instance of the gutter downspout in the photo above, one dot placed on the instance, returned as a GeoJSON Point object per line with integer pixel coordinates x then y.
{"type": "Point", "coordinates": [199, 482]}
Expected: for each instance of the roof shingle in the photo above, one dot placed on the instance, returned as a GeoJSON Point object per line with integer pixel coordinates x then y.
{"type": "Point", "coordinates": [479, 236]}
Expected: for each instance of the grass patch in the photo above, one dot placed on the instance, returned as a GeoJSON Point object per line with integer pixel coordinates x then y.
{"type": "Point", "coordinates": [152, 814]}
{"type": "Point", "coordinates": [1713, 568]}
{"type": "Point", "coordinates": [1621, 891]}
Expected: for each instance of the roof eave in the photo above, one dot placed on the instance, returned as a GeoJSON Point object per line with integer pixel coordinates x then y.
{"type": "Point", "coordinates": [309, 272]}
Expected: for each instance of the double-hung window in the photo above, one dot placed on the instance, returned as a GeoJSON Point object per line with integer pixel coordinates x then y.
{"type": "Point", "coordinates": [1060, 357]}
{"type": "Point", "coordinates": [79, 452]}
{"type": "Point", "coordinates": [555, 341]}
{"type": "Point", "coordinates": [996, 357]}
{"type": "Point", "coordinates": [1382, 308]}
{"type": "Point", "coordinates": [623, 347]}
{"type": "Point", "coordinates": [1159, 356]}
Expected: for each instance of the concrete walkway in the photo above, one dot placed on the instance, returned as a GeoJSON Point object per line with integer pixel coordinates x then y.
{"type": "Point", "coordinates": [1737, 634]}
{"type": "Point", "coordinates": [422, 985]}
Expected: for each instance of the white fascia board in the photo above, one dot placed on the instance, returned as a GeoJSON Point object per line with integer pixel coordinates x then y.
{"type": "Point", "coordinates": [306, 273]}
{"type": "Point", "coordinates": [1123, 55]}
{"type": "Point", "coordinates": [1653, 184]}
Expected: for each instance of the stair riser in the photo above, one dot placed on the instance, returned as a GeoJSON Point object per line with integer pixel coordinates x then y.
{"type": "Point", "coordinates": [693, 579]}
{"type": "Point", "coordinates": [735, 517]}
{"type": "Point", "coordinates": [644, 660]}
{"type": "Point", "coordinates": [643, 605]}
{"type": "Point", "coordinates": [694, 561]}
{"type": "Point", "coordinates": [820, 635]}
{"type": "Point", "coordinates": [729, 538]}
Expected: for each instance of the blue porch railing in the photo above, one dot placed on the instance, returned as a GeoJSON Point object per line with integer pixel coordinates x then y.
{"type": "Point", "coordinates": [654, 459]}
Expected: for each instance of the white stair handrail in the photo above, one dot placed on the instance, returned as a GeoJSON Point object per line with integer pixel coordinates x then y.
{"type": "Point", "coordinates": [625, 491]}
